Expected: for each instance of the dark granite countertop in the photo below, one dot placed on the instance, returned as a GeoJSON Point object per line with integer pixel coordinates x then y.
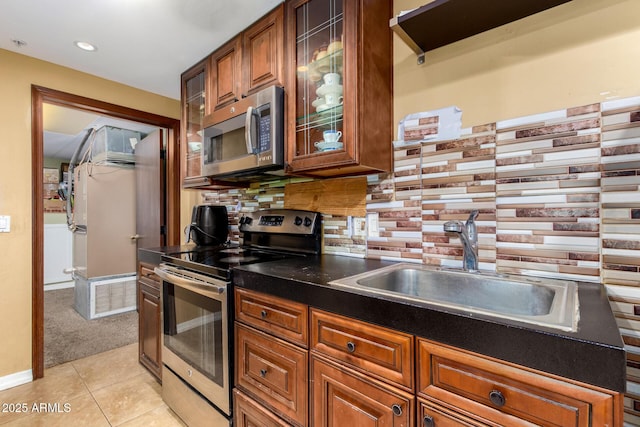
{"type": "Point", "coordinates": [154, 255]}
{"type": "Point", "coordinates": [594, 354]}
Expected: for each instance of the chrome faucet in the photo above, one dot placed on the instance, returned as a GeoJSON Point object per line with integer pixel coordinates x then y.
{"type": "Point", "coordinates": [469, 238]}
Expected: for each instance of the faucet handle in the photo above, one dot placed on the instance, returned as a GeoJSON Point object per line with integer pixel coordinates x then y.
{"type": "Point", "coordinates": [473, 215]}
{"type": "Point", "coordinates": [454, 226]}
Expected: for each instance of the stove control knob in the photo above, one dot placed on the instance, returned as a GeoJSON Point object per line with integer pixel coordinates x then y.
{"type": "Point", "coordinates": [307, 221]}
{"type": "Point", "coordinates": [297, 221]}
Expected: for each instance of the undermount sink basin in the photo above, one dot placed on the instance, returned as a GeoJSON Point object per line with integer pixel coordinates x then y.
{"type": "Point", "coordinates": [541, 301]}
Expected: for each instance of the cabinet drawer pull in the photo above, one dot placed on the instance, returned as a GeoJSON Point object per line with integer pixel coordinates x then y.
{"type": "Point", "coordinates": [263, 314]}
{"type": "Point", "coordinates": [397, 410]}
{"type": "Point", "coordinates": [263, 373]}
{"type": "Point", "coordinates": [351, 347]}
{"type": "Point", "coordinates": [428, 421]}
{"type": "Point", "coordinates": [497, 398]}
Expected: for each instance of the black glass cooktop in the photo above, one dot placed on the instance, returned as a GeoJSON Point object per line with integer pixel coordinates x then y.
{"type": "Point", "coordinates": [218, 260]}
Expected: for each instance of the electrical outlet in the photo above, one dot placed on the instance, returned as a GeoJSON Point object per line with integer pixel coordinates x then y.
{"type": "Point", "coordinates": [373, 228]}
{"type": "Point", "coordinates": [359, 227]}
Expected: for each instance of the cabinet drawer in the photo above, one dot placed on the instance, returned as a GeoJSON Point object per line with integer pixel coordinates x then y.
{"type": "Point", "coordinates": [249, 413]}
{"type": "Point", "coordinates": [273, 371]}
{"type": "Point", "coordinates": [344, 397]}
{"type": "Point", "coordinates": [280, 317]}
{"type": "Point", "coordinates": [377, 351]}
{"type": "Point", "coordinates": [148, 276]}
{"type": "Point", "coordinates": [458, 377]}
{"type": "Point", "coordinates": [432, 414]}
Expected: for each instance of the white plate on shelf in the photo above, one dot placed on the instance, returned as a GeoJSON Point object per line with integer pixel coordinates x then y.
{"type": "Point", "coordinates": [327, 111]}
{"type": "Point", "coordinates": [328, 146]}
{"type": "Point", "coordinates": [325, 89]}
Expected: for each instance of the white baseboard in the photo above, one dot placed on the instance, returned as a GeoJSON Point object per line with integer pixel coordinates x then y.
{"type": "Point", "coordinates": [61, 285]}
{"type": "Point", "coordinates": [19, 378]}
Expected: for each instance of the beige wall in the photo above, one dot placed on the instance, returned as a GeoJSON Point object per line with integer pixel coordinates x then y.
{"type": "Point", "coordinates": [17, 74]}
{"type": "Point", "coordinates": [582, 52]}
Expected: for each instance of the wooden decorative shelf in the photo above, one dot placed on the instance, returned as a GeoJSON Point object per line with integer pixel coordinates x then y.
{"type": "Point", "coordinates": [443, 22]}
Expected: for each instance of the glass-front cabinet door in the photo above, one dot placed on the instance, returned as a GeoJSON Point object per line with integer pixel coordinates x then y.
{"type": "Point", "coordinates": [193, 110]}
{"type": "Point", "coordinates": [319, 92]}
{"type": "Point", "coordinates": [325, 86]}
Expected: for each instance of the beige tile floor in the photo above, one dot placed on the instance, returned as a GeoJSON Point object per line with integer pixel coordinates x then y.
{"type": "Point", "coordinates": [107, 389]}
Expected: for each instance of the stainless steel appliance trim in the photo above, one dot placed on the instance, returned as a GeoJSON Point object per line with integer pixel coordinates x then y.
{"type": "Point", "coordinates": [288, 226]}
{"type": "Point", "coordinates": [208, 287]}
{"type": "Point", "coordinates": [254, 160]}
{"type": "Point", "coordinates": [247, 130]}
{"type": "Point", "coordinates": [204, 285]}
{"type": "Point", "coordinates": [217, 395]}
{"type": "Point", "coordinates": [189, 406]}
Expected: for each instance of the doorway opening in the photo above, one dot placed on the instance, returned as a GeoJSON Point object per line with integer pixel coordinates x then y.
{"type": "Point", "coordinates": [43, 98]}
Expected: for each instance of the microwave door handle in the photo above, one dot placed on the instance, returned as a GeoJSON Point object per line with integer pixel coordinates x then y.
{"type": "Point", "coordinates": [247, 130]}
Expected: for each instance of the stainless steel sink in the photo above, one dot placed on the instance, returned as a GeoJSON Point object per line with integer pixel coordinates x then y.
{"type": "Point", "coordinates": [546, 302]}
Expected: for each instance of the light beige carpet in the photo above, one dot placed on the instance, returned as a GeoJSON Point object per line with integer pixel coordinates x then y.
{"type": "Point", "coordinates": [69, 336]}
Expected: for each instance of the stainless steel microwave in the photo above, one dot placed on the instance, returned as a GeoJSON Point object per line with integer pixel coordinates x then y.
{"type": "Point", "coordinates": [245, 138]}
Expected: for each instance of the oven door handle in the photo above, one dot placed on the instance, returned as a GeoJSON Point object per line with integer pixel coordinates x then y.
{"type": "Point", "coordinates": [208, 288]}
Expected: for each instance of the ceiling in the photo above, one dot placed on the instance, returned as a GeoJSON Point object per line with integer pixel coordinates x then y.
{"type": "Point", "coordinates": [145, 44]}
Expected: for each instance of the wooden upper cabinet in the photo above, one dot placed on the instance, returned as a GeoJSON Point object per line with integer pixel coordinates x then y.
{"type": "Point", "coordinates": [339, 78]}
{"type": "Point", "coordinates": [263, 52]}
{"type": "Point", "coordinates": [193, 94]}
{"type": "Point", "coordinates": [251, 61]}
{"type": "Point", "coordinates": [225, 67]}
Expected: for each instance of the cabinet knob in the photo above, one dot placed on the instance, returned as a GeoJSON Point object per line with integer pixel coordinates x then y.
{"type": "Point", "coordinates": [263, 373]}
{"type": "Point", "coordinates": [428, 421]}
{"type": "Point", "coordinates": [497, 398]}
{"type": "Point", "coordinates": [263, 314]}
{"type": "Point", "coordinates": [397, 410]}
{"type": "Point", "coordinates": [351, 347]}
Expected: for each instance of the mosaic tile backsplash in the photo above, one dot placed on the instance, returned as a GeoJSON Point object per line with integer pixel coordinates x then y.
{"type": "Point", "coordinates": [558, 195]}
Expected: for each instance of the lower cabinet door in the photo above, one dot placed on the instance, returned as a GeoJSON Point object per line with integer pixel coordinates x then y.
{"type": "Point", "coordinates": [274, 372]}
{"type": "Point", "coordinates": [150, 349]}
{"type": "Point", "coordinates": [343, 397]}
{"type": "Point", "coordinates": [249, 413]}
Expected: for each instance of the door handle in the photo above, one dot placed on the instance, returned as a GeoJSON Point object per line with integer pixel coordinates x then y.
{"type": "Point", "coordinates": [136, 237]}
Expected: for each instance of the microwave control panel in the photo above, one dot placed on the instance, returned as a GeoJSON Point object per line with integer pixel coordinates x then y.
{"type": "Point", "coordinates": [264, 143]}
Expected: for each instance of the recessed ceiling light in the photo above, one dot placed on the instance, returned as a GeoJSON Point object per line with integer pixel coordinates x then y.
{"type": "Point", "coordinates": [86, 46]}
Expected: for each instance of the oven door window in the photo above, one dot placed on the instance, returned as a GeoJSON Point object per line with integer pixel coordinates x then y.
{"type": "Point", "coordinates": [193, 330]}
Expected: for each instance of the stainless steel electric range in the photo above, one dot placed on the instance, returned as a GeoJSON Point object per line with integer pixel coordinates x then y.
{"type": "Point", "coordinates": [197, 301]}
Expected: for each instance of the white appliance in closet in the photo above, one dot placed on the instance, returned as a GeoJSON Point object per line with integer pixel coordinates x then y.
{"type": "Point", "coordinates": [58, 254]}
